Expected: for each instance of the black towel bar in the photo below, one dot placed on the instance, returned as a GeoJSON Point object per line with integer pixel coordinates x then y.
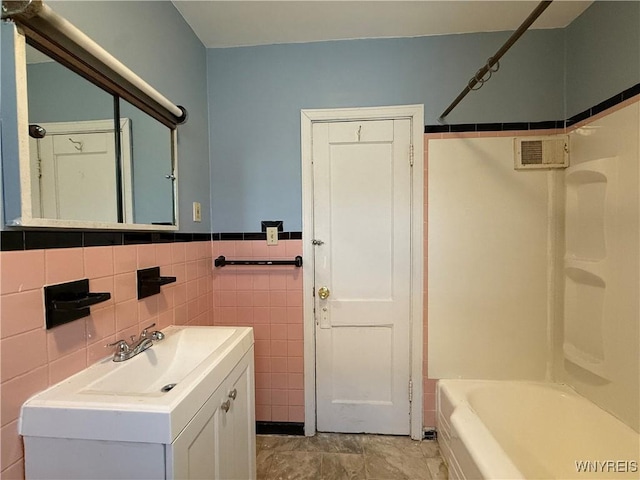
{"type": "Point", "coordinates": [221, 261]}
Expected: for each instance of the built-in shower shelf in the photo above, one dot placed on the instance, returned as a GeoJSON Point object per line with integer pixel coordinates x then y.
{"type": "Point", "coordinates": [582, 359]}
{"type": "Point", "coordinates": [585, 297]}
{"type": "Point", "coordinates": [595, 268]}
{"type": "Point", "coordinates": [590, 207]}
{"type": "Point", "coordinates": [581, 174]}
{"type": "Point", "coordinates": [591, 199]}
{"type": "Point", "coordinates": [604, 166]}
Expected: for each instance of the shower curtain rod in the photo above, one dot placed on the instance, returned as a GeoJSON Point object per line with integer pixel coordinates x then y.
{"type": "Point", "coordinates": [478, 78]}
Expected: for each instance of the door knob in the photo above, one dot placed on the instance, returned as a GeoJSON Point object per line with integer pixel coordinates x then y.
{"type": "Point", "coordinates": [323, 293]}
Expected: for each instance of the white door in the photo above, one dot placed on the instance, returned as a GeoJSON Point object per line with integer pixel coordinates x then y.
{"type": "Point", "coordinates": [362, 232]}
{"type": "Point", "coordinates": [76, 166]}
{"type": "Point", "coordinates": [79, 177]}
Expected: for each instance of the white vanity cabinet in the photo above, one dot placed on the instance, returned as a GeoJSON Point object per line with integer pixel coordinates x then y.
{"type": "Point", "coordinates": [117, 421]}
{"type": "Point", "coordinates": [226, 423]}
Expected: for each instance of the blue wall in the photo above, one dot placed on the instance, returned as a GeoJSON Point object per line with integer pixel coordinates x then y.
{"type": "Point", "coordinates": [603, 53]}
{"type": "Point", "coordinates": [250, 97]}
{"type": "Point", "coordinates": [154, 41]}
{"type": "Point", "coordinates": [256, 93]}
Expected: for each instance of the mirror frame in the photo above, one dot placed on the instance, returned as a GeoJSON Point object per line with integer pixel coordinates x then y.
{"type": "Point", "coordinates": [84, 57]}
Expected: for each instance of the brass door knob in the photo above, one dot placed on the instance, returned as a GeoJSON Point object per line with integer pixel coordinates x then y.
{"type": "Point", "coordinates": [323, 293]}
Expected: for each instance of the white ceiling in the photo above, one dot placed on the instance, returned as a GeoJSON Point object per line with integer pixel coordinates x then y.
{"type": "Point", "coordinates": [234, 23]}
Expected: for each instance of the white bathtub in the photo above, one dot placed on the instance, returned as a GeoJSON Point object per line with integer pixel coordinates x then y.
{"type": "Point", "coordinates": [525, 430]}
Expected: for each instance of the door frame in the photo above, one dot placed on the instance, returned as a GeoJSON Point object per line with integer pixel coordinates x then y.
{"type": "Point", "coordinates": [308, 117]}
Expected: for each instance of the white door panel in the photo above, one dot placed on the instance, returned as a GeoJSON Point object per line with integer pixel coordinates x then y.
{"type": "Point", "coordinates": [362, 213]}
{"type": "Point", "coordinates": [82, 180]}
{"type": "Point", "coordinates": [75, 164]}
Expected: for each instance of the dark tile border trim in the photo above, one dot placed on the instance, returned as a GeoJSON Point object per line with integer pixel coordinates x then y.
{"type": "Point", "coordinates": [256, 236]}
{"type": "Point", "coordinates": [239, 236]}
{"type": "Point", "coordinates": [13, 240]}
{"type": "Point", "coordinates": [430, 435]}
{"type": "Point", "coordinates": [493, 127]}
{"type": "Point", "coordinates": [280, 428]}
{"type": "Point", "coordinates": [37, 240]}
{"type": "Point", "coordinates": [548, 125]}
{"type": "Point", "coordinates": [102, 239]}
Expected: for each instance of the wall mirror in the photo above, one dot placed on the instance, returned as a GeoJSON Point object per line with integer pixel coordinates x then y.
{"type": "Point", "coordinates": [96, 145]}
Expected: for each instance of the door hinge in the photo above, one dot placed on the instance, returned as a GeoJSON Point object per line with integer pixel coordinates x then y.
{"type": "Point", "coordinates": [411, 155]}
{"type": "Point", "coordinates": [410, 391]}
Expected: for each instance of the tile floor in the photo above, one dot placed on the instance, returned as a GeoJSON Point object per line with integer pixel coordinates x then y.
{"type": "Point", "coordinates": [332, 456]}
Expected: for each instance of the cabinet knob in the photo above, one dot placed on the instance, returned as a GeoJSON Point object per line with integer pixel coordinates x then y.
{"type": "Point", "coordinates": [233, 394]}
{"type": "Point", "coordinates": [225, 405]}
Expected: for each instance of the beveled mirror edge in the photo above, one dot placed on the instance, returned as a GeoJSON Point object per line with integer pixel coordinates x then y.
{"type": "Point", "coordinates": [26, 218]}
{"type": "Point", "coordinates": [84, 225]}
{"type": "Point", "coordinates": [174, 167]}
{"type": "Point", "coordinates": [22, 120]}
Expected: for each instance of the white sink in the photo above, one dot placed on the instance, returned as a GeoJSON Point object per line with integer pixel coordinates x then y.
{"type": "Point", "coordinates": [125, 401]}
{"type": "Point", "coordinates": [168, 362]}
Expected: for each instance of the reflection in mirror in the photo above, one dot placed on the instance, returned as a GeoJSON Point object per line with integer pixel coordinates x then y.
{"type": "Point", "coordinates": [152, 161]}
{"type": "Point", "coordinates": [73, 156]}
{"type": "Point", "coordinates": [87, 158]}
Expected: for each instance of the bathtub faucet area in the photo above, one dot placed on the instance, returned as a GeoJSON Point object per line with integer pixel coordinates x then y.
{"type": "Point", "coordinates": [125, 351]}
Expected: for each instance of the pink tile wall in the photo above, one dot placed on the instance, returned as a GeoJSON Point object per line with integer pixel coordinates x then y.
{"type": "Point", "coordinates": [428, 384]}
{"type": "Point", "coordinates": [32, 358]}
{"type": "Point", "coordinates": [269, 299]}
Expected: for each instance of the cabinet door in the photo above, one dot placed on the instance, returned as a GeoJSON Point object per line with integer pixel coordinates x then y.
{"type": "Point", "coordinates": [244, 426]}
{"type": "Point", "coordinates": [228, 455]}
{"type": "Point", "coordinates": [220, 441]}
{"type": "Point", "coordinates": [195, 452]}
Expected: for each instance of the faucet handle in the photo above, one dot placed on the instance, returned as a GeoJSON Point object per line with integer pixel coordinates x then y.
{"type": "Point", "coordinates": [143, 334]}
{"type": "Point", "coordinates": [121, 345]}
{"type": "Point", "coordinates": [157, 336]}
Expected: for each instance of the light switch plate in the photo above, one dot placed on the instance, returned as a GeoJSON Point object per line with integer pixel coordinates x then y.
{"type": "Point", "coordinates": [272, 235]}
{"type": "Point", "coordinates": [197, 212]}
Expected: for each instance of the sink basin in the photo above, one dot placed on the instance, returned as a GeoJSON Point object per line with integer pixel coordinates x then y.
{"type": "Point", "coordinates": [168, 362]}
{"type": "Point", "coordinates": [126, 401]}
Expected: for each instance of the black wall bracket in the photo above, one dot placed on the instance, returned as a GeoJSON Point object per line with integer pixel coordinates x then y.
{"type": "Point", "coordinates": [150, 281]}
{"type": "Point", "coordinates": [271, 223]}
{"type": "Point", "coordinates": [70, 301]}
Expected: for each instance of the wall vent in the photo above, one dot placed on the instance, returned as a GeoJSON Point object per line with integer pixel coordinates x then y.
{"type": "Point", "coordinates": [541, 152]}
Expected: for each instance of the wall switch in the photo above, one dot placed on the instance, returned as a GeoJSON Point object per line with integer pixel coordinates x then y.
{"type": "Point", "coordinates": [197, 212]}
{"type": "Point", "coordinates": [272, 235]}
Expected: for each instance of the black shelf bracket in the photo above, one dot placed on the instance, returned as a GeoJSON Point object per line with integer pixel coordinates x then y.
{"type": "Point", "coordinates": [150, 281]}
{"type": "Point", "coordinates": [70, 301]}
{"type": "Point", "coordinates": [221, 261]}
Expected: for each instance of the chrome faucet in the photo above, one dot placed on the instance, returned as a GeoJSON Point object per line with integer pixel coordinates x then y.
{"type": "Point", "coordinates": [125, 351]}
